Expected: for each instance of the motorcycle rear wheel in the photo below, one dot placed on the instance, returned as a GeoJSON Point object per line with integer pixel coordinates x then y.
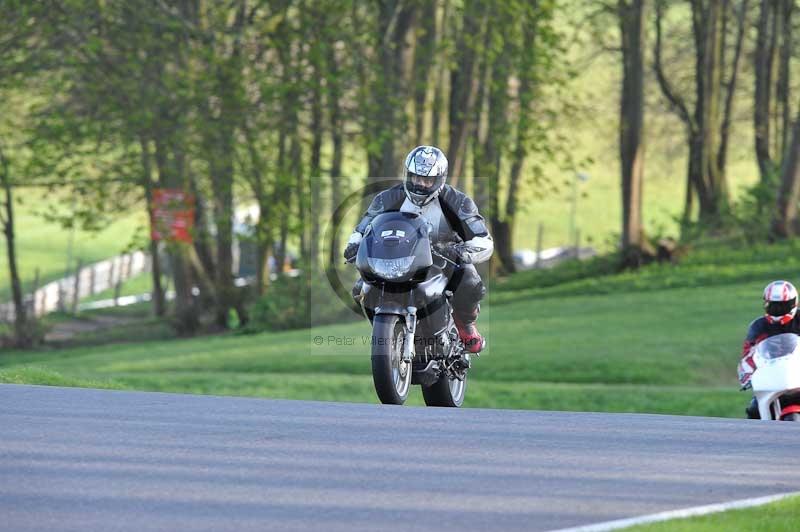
{"type": "Point", "coordinates": [391, 376]}
{"type": "Point", "coordinates": [446, 392]}
{"type": "Point", "coordinates": [791, 417]}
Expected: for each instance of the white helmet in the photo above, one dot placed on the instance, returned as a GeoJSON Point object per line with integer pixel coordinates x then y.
{"type": "Point", "coordinates": [780, 302]}
{"type": "Point", "coordinates": [426, 172]}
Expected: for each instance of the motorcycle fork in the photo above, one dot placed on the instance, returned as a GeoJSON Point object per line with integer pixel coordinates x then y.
{"type": "Point", "coordinates": [411, 328]}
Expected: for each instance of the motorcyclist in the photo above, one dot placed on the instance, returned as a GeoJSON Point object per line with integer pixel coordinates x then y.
{"type": "Point", "coordinates": [457, 231]}
{"type": "Point", "coordinates": [780, 316]}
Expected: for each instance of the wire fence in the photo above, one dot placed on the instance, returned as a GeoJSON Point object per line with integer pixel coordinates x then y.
{"type": "Point", "coordinates": [64, 294]}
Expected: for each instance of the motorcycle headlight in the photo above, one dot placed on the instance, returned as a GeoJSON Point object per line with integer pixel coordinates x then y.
{"type": "Point", "coordinates": [391, 268]}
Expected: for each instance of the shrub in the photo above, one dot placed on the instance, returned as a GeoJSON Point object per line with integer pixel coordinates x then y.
{"type": "Point", "coordinates": [297, 303]}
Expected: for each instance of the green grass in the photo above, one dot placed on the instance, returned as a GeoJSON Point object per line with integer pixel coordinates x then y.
{"type": "Point", "coordinates": [781, 516]}
{"type": "Point", "coordinates": [665, 340]}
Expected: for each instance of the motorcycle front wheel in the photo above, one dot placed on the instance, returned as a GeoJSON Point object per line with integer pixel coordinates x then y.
{"type": "Point", "coordinates": [791, 417]}
{"type": "Point", "coordinates": [390, 374]}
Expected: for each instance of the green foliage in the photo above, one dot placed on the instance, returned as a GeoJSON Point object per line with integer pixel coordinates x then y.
{"type": "Point", "coordinates": [754, 214]}
{"type": "Point", "coordinates": [296, 303]}
{"type": "Point", "coordinates": [747, 221]}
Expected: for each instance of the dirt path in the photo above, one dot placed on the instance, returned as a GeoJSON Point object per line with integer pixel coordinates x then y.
{"type": "Point", "coordinates": [65, 331]}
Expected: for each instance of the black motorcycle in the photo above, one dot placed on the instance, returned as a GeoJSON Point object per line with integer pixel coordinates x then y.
{"type": "Point", "coordinates": [404, 295]}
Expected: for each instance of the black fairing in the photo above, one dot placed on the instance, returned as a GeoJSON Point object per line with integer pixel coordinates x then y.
{"type": "Point", "coordinates": [396, 235]}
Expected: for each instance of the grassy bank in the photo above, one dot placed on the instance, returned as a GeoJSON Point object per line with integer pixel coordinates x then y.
{"type": "Point", "coordinates": [781, 516]}
{"type": "Point", "coordinates": [663, 340]}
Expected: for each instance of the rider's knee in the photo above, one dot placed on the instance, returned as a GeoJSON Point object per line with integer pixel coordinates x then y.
{"type": "Point", "coordinates": [356, 292]}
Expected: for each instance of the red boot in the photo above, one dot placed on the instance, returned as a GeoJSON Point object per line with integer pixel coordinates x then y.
{"type": "Point", "coordinates": [470, 336]}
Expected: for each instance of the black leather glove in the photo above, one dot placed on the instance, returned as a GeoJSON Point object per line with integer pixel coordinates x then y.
{"type": "Point", "coordinates": [450, 250]}
{"type": "Point", "coordinates": [350, 252]}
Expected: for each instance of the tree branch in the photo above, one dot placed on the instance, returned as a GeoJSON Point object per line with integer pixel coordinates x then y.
{"type": "Point", "coordinates": [676, 102]}
{"type": "Point", "coordinates": [730, 86]}
{"type": "Point", "coordinates": [6, 186]}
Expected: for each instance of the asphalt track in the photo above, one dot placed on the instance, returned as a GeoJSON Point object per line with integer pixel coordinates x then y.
{"type": "Point", "coordinates": [77, 459]}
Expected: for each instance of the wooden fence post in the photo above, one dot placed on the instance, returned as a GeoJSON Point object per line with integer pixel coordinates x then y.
{"type": "Point", "coordinates": [92, 279]}
{"type": "Point", "coordinates": [539, 240]}
{"type": "Point", "coordinates": [44, 301]}
{"type": "Point", "coordinates": [60, 303]}
{"type": "Point", "coordinates": [118, 283]}
{"type": "Point", "coordinates": [32, 309]}
{"type": "Point", "coordinates": [111, 265]}
{"type": "Point", "coordinates": [76, 294]}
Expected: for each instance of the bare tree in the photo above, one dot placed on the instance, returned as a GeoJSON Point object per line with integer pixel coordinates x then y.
{"type": "Point", "coordinates": [708, 121]}
{"type": "Point", "coordinates": [771, 110]}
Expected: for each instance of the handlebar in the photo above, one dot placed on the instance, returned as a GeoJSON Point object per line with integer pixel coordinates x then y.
{"type": "Point", "coordinates": [436, 253]}
{"type": "Point", "coordinates": [433, 252]}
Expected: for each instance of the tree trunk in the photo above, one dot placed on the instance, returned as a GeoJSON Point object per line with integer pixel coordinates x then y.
{"type": "Point", "coordinates": [764, 59]}
{"type": "Point", "coordinates": [526, 93]}
{"type": "Point", "coordinates": [315, 170]}
{"type": "Point", "coordinates": [730, 87]}
{"type": "Point", "coordinates": [785, 223]}
{"type": "Point", "coordinates": [782, 93]}
{"type": "Point", "coordinates": [631, 144]}
{"type": "Point", "coordinates": [711, 185]}
{"type": "Point", "coordinates": [159, 307]}
{"type": "Point", "coordinates": [255, 178]}
{"type": "Point", "coordinates": [424, 73]}
{"type": "Point", "coordinates": [22, 333]}
{"type": "Point", "coordinates": [187, 321]}
{"type": "Point", "coordinates": [464, 81]}
{"type": "Point", "coordinates": [390, 93]}
{"type": "Point", "coordinates": [496, 138]}
{"type": "Point", "coordinates": [337, 139]}
{"type": "Point", "coordinates": [439, 113]}
{"type": "Point", "coordinates": [705, 175]}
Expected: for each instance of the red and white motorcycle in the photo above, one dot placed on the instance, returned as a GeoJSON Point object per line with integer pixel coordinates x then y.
{"type": "Point", "coordinates": [776, 379]}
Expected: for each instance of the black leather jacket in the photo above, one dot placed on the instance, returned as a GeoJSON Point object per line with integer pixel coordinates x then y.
{"type": "Point", "coordinates": [462, 221]}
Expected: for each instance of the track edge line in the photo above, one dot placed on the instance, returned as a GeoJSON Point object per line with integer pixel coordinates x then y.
{"type": "Point", "coordinates": [693, 511]}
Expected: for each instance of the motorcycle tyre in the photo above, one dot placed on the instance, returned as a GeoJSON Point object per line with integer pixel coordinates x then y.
{"type": "Point", "coordinates": [387, 329]}
{"type": "Point", "coordinates": [441, 394]}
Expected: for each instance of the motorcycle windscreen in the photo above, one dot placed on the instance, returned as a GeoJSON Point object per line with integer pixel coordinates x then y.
{"type": "Point", "coordinates": [778, 346]}
{"type": "Point", "coordinates": [777, 364]}
{"type": "Point", "coordinates": [395, 247]}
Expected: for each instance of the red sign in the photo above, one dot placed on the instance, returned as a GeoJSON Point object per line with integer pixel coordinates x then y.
{"type": "Point", "coordinates": [173, 215]}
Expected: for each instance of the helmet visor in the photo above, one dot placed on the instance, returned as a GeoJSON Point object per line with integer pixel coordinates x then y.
{"type": "Point", "coordinates": [779, 308]}
{"type": "Point", "coordinates": [422, 184]}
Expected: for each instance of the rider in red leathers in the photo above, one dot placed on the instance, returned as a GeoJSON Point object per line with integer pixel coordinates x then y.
{"type": "Point", "coordinates": [780, 316]}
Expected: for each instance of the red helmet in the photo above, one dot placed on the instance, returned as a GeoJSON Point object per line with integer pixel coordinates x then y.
{"type": "Point", "coordinates": [780, 302]}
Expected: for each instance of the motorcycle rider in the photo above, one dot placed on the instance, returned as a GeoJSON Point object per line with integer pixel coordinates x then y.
{"type": "Point", "coordinates": [457, 231]}
{"type": "Point", "coordinates": [780, 316]}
